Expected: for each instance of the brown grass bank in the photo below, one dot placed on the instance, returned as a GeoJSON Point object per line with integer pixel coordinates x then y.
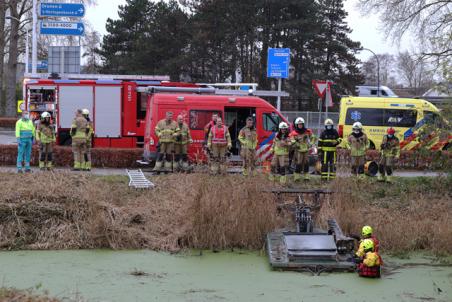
{"type": "Point", "coordinates": [67, 211]}
{"type": "Point", "coordinates": [14, 295]}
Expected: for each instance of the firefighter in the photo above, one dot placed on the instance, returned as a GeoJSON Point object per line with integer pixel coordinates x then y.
{"type": "Point", "coordinates": [25, 131]}
{"type": "Point", "coordinates": [280, 150]}
{"type": "Point", "coordinates": [45, 136]}
{"type": "Point", "coordinates": [248, 144]}
{"type": "Point", "coordinates": [390, 153]}
{"type": "Point", "coordinates": [370, 263]}
{"type": "Point", "coordinates": [218, 144]}
{"type": "Point", "coordinates": [300, 139]}
{"type": "Point", "coordinates": [89, 138]}
{"type": "Point", "coordinates": [164, 131]}
{"type": "Point", "coordinates": [367, 233]}
{"type": "Point", "coordinates": [328, 141]}
{"type": "Point", "coordinates": [79, 132]}
{"type": "Point", "coordinates": [358, 144]}
{"type": "Point", "coordinates": [209, 126]}
{"type": "Point", "coordinates": [182, 139]}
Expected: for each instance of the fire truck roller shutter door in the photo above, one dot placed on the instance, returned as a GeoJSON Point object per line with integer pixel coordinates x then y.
{"type": "Point", "coordinates": [107, 115]}
{"type": "Point", "coordinates": [71, 99]}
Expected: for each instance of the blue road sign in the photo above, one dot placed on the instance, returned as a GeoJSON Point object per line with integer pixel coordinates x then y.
{"type": "Point", "coordinates": [62, 28]}
{"type": "Point", "coordinates": [74, 10]}
{"type": "Point", "coordinates": [278, 62]}
{"type": "Point", "coordinates": [41, 65]}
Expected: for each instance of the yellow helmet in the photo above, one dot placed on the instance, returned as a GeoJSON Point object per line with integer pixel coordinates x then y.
{"type": "Point", "coordinates": [368, 244]}
{"type": "Point", "coordinates": [366, 230]}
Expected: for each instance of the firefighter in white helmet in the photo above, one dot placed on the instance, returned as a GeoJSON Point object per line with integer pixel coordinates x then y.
{"type": "Point", "coordinates": [280, 150]}
{"type": "Point", "coordinates": [300, 139]}
{"type": "Point", "coordinates": [328, 141]}
{"type": "Point", "coordinates": [89, 140]}
{"type": "Point", "coordinates": [45, 136]}
{"type": "Point", "coordinates": [357, 143]}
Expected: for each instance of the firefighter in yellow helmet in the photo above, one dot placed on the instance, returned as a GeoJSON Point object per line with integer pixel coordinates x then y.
{"type": "Point", "coordinates": [327, 145]}
{"type": "Point", "coordinates": [164, 130]}
{"type": "Point", "coordinates": [218, 144]}
{"type": "Point", "coordinates": [45, 136]}
{"type": "Point", "coordinates": [280, 150]}
{"type": "Point", "coordinates": [358, 143]}
{"type": "Point", "coordinates": [79, 132]}
{"type": "Point", "coordinates": [248, 143]}
{"type": "Point", "coordinates": [367, 233]}
{"type": "Point", "coordinates": [89, 140]}
{"type": "Point", "coordinates": [370, 263]}
{"type": "Point", "coordinates": [390, 153]}
{"type": "Point", "coordinates": [182, 139]}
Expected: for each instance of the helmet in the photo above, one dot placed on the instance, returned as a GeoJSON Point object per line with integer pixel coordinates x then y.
{"type": "Point", "coordinates": [366, 230]}
{"type": "Point", "coordinates": [85, 111]}
{"type": "Point", "coordinates": [329, 122]}
{"type": "Point", "coordinates": [283, 125]}
{"type": "Point", "coordinates": [391, 131]}
{"type": "Point", "coordinates": [299, 120]}
{"type": "Point", "coordinates": [357, 126]}
{"type": "Point", "coordinates": [368, 244]}
{"type": "Point", "coordinates": [45, 114]}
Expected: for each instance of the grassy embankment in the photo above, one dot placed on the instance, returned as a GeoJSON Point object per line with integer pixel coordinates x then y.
{"type": "Point", "coordinates": [66, 211]}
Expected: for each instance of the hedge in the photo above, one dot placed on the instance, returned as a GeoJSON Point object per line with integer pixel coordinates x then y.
{"type": "Point", "coordinates": [8, 122]}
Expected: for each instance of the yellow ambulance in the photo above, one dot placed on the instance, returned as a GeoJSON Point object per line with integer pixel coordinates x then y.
{"type": "Point", "coordinates": [406, 116]}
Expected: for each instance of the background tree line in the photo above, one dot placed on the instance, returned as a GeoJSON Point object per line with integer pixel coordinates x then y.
{"type": "Point", "coordinates": [220, 41]}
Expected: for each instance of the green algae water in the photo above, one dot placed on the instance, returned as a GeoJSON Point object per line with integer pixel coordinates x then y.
{"type": "Point", "coordinates": [104, 275]}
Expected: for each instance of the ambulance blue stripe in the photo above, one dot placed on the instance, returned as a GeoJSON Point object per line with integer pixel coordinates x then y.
{"type": "Point", "coordinates": [266, 141]}
{"type": "Point", "coordinates": [410, 131]}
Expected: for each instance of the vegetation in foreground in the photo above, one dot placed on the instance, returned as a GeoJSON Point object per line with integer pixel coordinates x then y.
{"type": "Point", "coordinates": [14, 295]}
{"type": "Point", "coordinates": [66, 211]}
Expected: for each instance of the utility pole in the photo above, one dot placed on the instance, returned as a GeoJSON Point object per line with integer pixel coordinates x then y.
{"type": "Point", "coordinates": [34, 46]}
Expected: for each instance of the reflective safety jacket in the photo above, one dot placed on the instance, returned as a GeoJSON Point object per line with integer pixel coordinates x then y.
{"type": "Point", "coordinates": [25, 128]}
{"type": "Point", "coordinates": [390, 147]}
{"type": "Point", "coordinates": [281, 145]}
{"type": "Point", "coordinates": [182, 134]}
{"type": "Point", "coordinates": [301, 139]}
{"type": "Point", "coordinates": [219, 136]}
{"type": "Point", "coordinates": [79, 128]}
{"type": "Point", "coordinates": [372, 259]}
{"type": "Point", "coordinates": [328, 140]}
{"type": "Point", "coordinates": [45, 133]}
{"type": "Point", "coordinates": [358, 144]}
{"type": "Point", "coordinates": [361, 253]}
{"type": "Point", "coordinates": [248, 138]}
{"type": "Point", "coordinates": [371, 265]}
{"type": "Point", "coordinates": [165, 131]}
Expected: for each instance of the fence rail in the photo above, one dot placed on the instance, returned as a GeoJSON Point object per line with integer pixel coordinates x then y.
{"type": "Point", "coordinates": [313, 120]}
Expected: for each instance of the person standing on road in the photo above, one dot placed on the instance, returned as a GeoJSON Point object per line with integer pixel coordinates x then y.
{"type": "Point", "coordinates": [25, 132]}
{"type": "Point", "coordinates": [370, 263]}
{"type": "Point", "coordinates": [248, 143]}
{"type": "Point", "coordinates": [390, 153]}
{"type": "Point", "coordinates": [280, 150]}
{"type": "Point", "coordinates": [89, 139]}
{"type": "Point", "coordinates": [79, 133]}
{"type": "Point", "coordinates": [45, 136]}
{"type": "Point", "coordinates": [164, 130]}
{"type": "Point", "coordinates": [218, 143]}
{"type": "Point", "coordinates": [182, 139]}
{"type": "Point", "coordinates": [358, 144]}
{"type": "Point", "coordinates": [300, 138]}
{"type": "Point", "coordinates": [328, 141]}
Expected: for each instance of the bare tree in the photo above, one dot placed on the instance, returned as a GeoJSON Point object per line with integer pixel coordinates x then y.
{"type": "Point", "coordinates": [414, 71]}
{"type": "Point", "coordinates": [387, 70]}
{"type": "Point", "coordinates": [91, 44]}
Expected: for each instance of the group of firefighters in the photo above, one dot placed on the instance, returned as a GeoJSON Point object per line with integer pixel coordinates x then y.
{"type": "Point", "coordinates": [43, 132]}
{"type": "Point", "coordinates": [289, 147]}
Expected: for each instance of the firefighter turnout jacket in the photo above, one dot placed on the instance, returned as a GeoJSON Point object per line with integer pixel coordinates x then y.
{"type": "Point", "coordinates": [328, 140]}
{"type": "Point", "coordinates": [182, 135]}
{"type": "Point", "coordinates": [358, 144]}
{"type": "Point", "coordinates": [248, 138]}
{"type": "Point", "coordinates": [301, 139]}
{"type": "Point", "coordinates": [390, 147]}
{"type": "Point", "coordinates": [165, 130]}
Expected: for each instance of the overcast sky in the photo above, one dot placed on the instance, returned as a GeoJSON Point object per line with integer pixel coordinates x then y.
{"type": "Point", "coordinates": [365, 28]}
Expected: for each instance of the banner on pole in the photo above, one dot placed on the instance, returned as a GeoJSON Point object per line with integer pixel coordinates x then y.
{"type": "Point", "coordinates": [328, 96]}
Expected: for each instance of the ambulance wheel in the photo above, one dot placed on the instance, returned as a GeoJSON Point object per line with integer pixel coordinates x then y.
{"type": "Point", "coordinates": [371, 145]}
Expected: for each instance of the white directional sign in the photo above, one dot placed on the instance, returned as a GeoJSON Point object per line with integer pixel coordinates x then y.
{"type": "Point", "coordinates": [62, 28]}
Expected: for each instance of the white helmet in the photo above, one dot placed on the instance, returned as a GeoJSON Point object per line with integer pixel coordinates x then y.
{"type": "Point", "coordinates": [329, 122]}
{"type": "Point", "coordinates": [283, 125]}
{"type": "Point", "coordinates": [85, 111]}
{"type": "Point", "coordinates": [357, 126]}
{"type": "Point", "coordinates": [45, 114]}
{"type": "Point", "coordinates": [299, 120]}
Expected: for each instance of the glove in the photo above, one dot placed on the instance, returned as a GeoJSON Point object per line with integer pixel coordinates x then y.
{"type": "Point", "coordinates": [229, 147]}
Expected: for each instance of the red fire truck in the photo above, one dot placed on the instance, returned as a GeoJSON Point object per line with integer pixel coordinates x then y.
{"type": "Point", "coordinates": [125, 109]}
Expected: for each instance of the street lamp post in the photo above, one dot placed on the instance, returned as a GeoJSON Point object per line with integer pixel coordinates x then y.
{"type": "Point", "coordinates": [34, 46]}
{"type": "Point", "coordinates": [378, 70]}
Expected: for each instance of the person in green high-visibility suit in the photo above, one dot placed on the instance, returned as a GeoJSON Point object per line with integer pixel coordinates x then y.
{"type": "Point", "coordinates": [25, 132]}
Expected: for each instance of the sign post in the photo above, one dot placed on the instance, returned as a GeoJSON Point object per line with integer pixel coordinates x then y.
{"type": "Point", "coordinates": [62, 28]}
{"type": "Point", "coordinates": [278, 62]}
{"type": "Point", "coordinates": [323, 89]}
